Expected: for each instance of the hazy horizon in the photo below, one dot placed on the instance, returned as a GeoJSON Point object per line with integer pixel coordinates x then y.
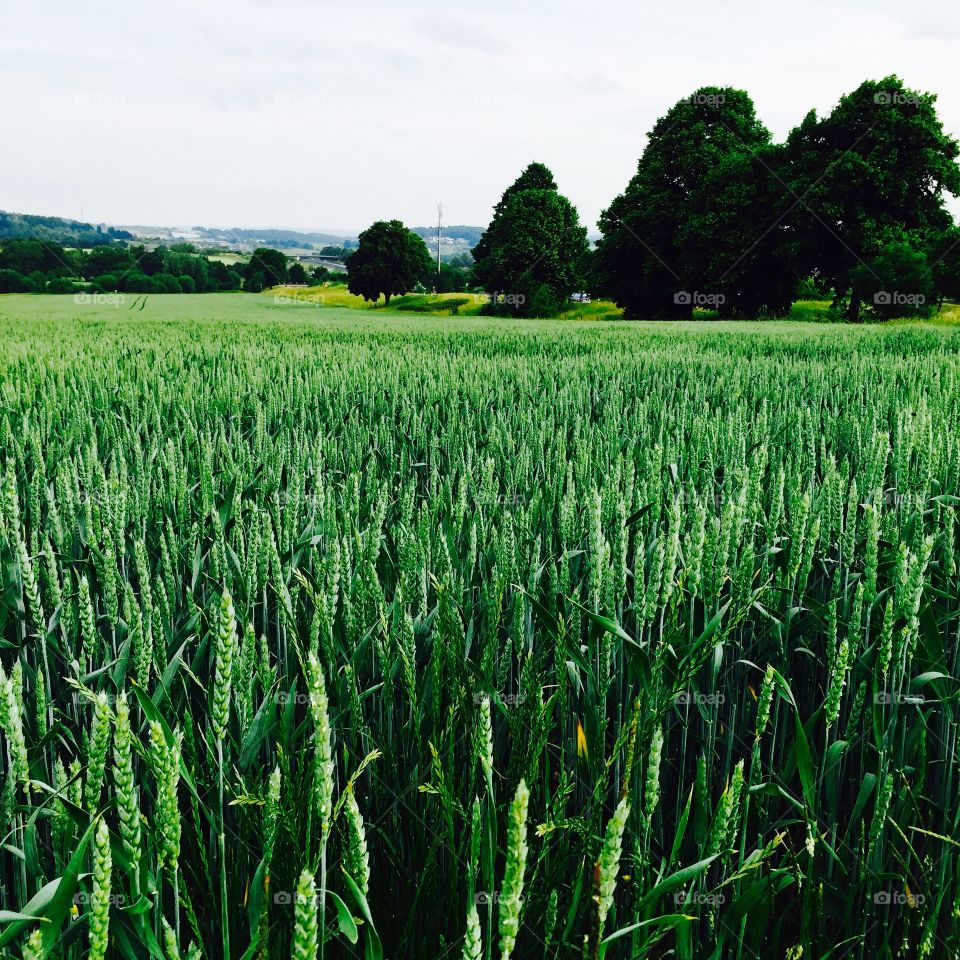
{"type": "Point", "coordinates": [317, 117]}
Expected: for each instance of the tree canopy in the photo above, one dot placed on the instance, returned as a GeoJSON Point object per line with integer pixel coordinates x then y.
{"type": "Point", "coordinates": [42, 266]}
{"type": "Point", "coordinates": [873, 172]}
{"type": "Point", "coordinates": [687, 229]}
{"type": "Point", "coordinates": [389, 260]}
{"type": "Point", "coordinates": [718, 215]}
{"type": "Point", "coordinates": [533, 254]}
{"type": "Point", "coordinates": [266, 268]}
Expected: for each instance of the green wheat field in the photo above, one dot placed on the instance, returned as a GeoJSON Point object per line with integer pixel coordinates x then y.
{"type": "Point", "coordinates": [352, 635]}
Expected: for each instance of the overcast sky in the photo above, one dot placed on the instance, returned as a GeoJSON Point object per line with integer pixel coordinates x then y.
{"type": "Point", "coordinates": [319, 115]}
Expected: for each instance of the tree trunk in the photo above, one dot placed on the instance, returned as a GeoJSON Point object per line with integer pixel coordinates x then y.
{"type": "Point", "coordinates": [386, 298]}
{"type": "Point", "coordinates": [853, 311]}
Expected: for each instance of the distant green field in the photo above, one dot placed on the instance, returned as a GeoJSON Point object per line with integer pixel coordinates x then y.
{"type": "Point", "coordinates": [229, 257]}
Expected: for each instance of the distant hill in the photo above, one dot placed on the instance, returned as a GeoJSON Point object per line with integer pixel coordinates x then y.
{"type": "Point", "coordinates": [468, 235]}
{"type": "Point", "coordinates": [458, 239]}
{"type": "Point", "coordinates": [242, 238]}
{"type": "Point", "coordinates": [68, 233]}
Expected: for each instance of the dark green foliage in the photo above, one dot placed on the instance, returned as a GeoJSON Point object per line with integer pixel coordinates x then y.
{"type": "Point", "coordinates": [692, 227]}
{"type": "Point", "coordinates": [319, 275]}
{"type": "Point", "coordinates": [59, 285]}
{"type": "Point", "coordinates": [534, 253]}
{"type": "Point", "coordinates": [38, 256]}
{"type": "Point", "coordinates": [167, 283]}
{"type": "Point", "coordinates": [151, 262]}
{"type": "Point", "coordinates": [297, 273]}
{"type": "Point", "coordinates": [943, 255]}
{"type": "Point", "coordinates": [266, 268]}
{"type": "Point", "coordinates": [13, 282]}
{"type": "Point", "coordinates": [897, 282]}
{"type": "Point", "coordinates": [224, 277]}
{"type": "Point", "coordinates": [112, 260]}
{"type": "Point", "coordinates": [389, 260]}
{"type": "Point", "coordinates": [451, 278]}
{"type": "Point", "coordinates": [105, 283]}
{"type": "Point", "coordinates": [719, 216]}
{"type": "Point", "coordinates": [57, 230]}
{"type": "Point", "coordinates": [536, 176]}
{"type": "Point", "coordinates": [44, 267]}
{"type": "Point", "coordinates": [136, 281]}
{"type": "Point", "coordinates": [871, 173]}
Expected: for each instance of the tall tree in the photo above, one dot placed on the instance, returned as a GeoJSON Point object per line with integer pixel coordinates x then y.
{"type": "Point", "coordinates": [739, 244]}
{"type": "Point", "coordinates": [872, 173]}
{"type": "Point", "coordinates": [536, 176]}
{"type": "Point", "coordinates": [700, 221]}
{"type": "Point", "coordinates": [389, 260]}
{"type": "Point", "coordinates": [534, 253]}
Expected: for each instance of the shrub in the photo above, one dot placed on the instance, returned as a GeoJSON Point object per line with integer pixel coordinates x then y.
{"type": "Point", "coordinates": [897, 283]}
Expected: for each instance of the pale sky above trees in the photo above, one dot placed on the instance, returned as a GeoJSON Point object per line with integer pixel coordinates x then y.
{"type": "Point", "coordinates": [318, 115]}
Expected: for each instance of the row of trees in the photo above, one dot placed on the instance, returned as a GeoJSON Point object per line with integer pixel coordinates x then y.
{"type": "Point", "coordinates": [533, 254]}
{"type": "Point", "coordinates": [853, 202]}
{"type": "Point", "coordinates": [41, 266]}
{"type": "Point", "coordinates": [69, 233]}
{"type": "Point", "coordinates": [271, 268]}
{"type": "Point", "coordinates": [851, 206]}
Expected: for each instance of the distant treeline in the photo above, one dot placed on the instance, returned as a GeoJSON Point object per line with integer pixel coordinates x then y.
{"type": "Point", "coordinates": [40, 266]}
{"type": "Point", "coordinates": [70, 233]}
{"type": "Point", "coordinates": [74, 233]}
